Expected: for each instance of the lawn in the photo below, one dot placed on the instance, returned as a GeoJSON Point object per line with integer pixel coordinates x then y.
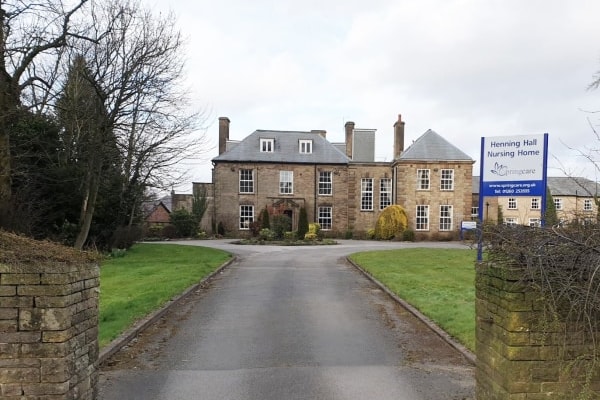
{"type": "Point", "coordinates": [438, 282]}
{"type": "Point", "coordinates": [146, 277]}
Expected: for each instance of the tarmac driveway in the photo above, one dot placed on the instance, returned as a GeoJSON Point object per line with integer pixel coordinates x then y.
{"type": "Point", "coordinates": [289, 323]}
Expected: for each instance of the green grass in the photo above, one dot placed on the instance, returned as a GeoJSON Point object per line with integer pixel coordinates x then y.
{"type": "Point", "coordinates": [145, 278]}
{"type": "Point", "coordinates": [438, 282]}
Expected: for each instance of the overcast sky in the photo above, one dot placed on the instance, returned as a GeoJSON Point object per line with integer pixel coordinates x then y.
{"type": "Point", "coordinates": [463, 68]}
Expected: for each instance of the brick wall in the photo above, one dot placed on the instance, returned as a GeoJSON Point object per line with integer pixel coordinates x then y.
{"type": "Point", "coordinates": [48, 330]}
{"type": "Point", "coordinates": [521, 355]}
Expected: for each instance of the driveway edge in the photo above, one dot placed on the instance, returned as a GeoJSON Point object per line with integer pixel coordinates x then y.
{"type": "Point", "coordinates": [123, 339]}
{"type": "Point", "coordinates": [467, 354]}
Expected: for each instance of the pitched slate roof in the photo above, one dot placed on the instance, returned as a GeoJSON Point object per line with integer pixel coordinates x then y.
{"type": "Point", "coordinates": [562, 186]}
{"type": "Point", "coordinates": [432, 147]}
{"type": "Point", "coordinates": [572, 186]}
{"type": "Point", "coordinates": [285, 150]}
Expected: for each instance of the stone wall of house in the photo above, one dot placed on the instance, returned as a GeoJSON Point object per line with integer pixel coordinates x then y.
{"type": "Point", "coordinates": [521, 354]}
{"type": "Point", "coordinates": [48, 324]}
{"type": "Point", "coordinates": [363, 220]}
{"type": "Point", "coordinates": [460, 198]}
{"type": "Point", "coordinates": [266, 193]}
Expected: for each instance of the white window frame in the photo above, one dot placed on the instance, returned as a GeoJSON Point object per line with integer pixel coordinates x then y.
{"type": "Point", "coordinates": [246, 183]}
{"type": "Point", "coordinates": [535, 203]}
{"type": "Point", "coordinates": [325, 183]}
{"type": "Point", "coordinates": [305, 146]}
{"type": "Point", "coordinates": [447, 179]}
{"type": "Point", "coordinates": [366, 194]}
{"type": "Point", "coordinates": [246, 216]}
{"type": "Point", "coordinates": [385, 193]}
{"type": "Point", "coordinates": [512, 203]}
{"type": "Point", "coordinates": [423, 179]}
{"type": "Point", "coordinates": [422, 218]}
{"type": "Point", "coordinates": [446, 217]}
{"type": "Point", "coordinates": [558, 204]}
{"type": "Point", "coordinates": [286, 182]}
{"type": "Point", "coordinates": [474, 211]}
{"type": "Point", "coordinates": [588, 205]}
{"type": "Point", "coordinates": [511, 221]}
{"type": "Point", "coordinates": [534, 222]}
{"type": "Point", "coordinates": [325, 217]}
{"type": "Point", "coordinates": [267, 145]}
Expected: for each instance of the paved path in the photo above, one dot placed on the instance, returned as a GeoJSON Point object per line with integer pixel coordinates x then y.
{"type": "Point", "coordinates": [290, 323]}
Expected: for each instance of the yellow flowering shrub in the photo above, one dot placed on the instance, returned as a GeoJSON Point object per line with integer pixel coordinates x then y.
{"type": "Point", "coordinates": [391, 222]}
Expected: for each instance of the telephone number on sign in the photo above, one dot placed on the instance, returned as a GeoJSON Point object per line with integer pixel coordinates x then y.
{"type": "Point", "coordinates": [515, 191]}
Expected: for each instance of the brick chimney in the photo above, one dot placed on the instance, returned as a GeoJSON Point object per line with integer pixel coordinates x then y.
{"type": "Point", "coordinates": [398, 137]}
{"type": "Point", "coordinates": [223, 134]}
{"type": "Point", "coordinates": [349, 127]}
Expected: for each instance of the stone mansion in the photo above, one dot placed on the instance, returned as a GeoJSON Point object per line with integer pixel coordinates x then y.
{"type": "Point", "coordinates": [340, 185]}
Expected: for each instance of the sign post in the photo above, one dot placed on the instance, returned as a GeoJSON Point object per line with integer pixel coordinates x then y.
{"type": "Point", "coordinates": [512, 166]}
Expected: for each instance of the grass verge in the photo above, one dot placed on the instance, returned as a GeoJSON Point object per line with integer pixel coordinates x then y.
{"type": "Point", "coordinates": [438, 282]}
{"type": "Point", "coordinates": [145, 278]}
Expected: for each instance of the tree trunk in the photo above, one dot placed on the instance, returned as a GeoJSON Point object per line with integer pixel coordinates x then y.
{"type": "Point", "coordinates": [87, 212]}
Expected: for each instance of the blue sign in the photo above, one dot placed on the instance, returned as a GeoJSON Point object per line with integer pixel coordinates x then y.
{"type": "Point", "coordinates": [514, 165]}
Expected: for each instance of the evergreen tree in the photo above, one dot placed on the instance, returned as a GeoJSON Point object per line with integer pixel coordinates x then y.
{"type": "Point", "coordinates": [87, 141]}
{"type": "Point", "coordinates": [550, 217]}
{"type": "Point", "coordinates": [265, 223]}
{"type": "Point", "coordinates": [302, 223]}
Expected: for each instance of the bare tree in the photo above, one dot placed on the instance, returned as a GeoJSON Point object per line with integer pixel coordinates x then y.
{"type": "Point", "coordinates": [32, 34]}
{"type": "Point", "coordinates": [139, 66]}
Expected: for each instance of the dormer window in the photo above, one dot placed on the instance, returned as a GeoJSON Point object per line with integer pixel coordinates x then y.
{"type": "Point", "coordinates": [305, 146]}
{"type": "Point", "coordinates": [267, 145]}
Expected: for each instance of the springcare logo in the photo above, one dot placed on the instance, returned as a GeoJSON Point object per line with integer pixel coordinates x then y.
{"type": "Point", "coordinates": [503, 170]}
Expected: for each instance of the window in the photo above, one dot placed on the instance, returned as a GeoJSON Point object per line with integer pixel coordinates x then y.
{"type": "Point", "coordinates": [512, 203]}
{"type": "Point", "coordinates": [445, 218]}
{"type": "Point", "coordinates": [558, 204]}
{"type": "Point", "coordinates": [267, 145]}
{"type": "Point", "coordinates": [385, 193]}
{"type": "Point", "coordinates": [447, 179]}
{"type": "Point", "coordinates": [511, 221]}
{"type": "Point", "coordinates": [325, 218]}
{"type": "Point", "coordinates": [325, 183]}
{"type": "Point", "coordinates": [286, 182]}
{"type": "Point", "coordinates": [587, 205]}
{"type": "Point", "coordinates": [422, 179]}
{"type": "Point", "coordinates": [246, 181]}
{"type": "Point", "coordinates": [422, 221]}
{"type": "Point", "coordinates": [305, 146]}
{"type": "Point", "coordinates": [474, 213]}
{"type": "Point", "coordinates": [246, 217]}
{"type": "Point", "coordinates": [534, 222]}
{"type": "Point", "coordinates": [535, 203]}
{"type": "Point", "coordinates": [366, 194]}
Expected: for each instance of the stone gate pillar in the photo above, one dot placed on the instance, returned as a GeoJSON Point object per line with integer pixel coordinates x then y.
{"type": "Point", "coordinates": [522, 354]}
{"type": "Point", "coordinates": [48, 321]}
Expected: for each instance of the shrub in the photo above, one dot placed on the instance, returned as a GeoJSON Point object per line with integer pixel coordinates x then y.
{"type": "Point", "coordinates": [184, 221]}
{"type": "Point", "coordinates": [371, 233]}
{"type": "Point", "coordinates": [391, 222]}
{"type": "Point", "coordinates": [348, 234]}
{"type": "Point", "coordinates": [255, 227]}
{"type": "Point", "coordinates": [289, 235]}
{"type": "Point", "coordinates": [266, 234]}
{"type": "Point", "coordinates": [169, 232]}
{"type": "Point", "coordinates": [125, 236]}
{"type": "Point", "coordinates": [314, 231]}
{"type": "Point", "coordinates": [201, 235]}
{"type": "Point", "coordinates": [310, 236]}
{"type": "Point", "coordinates": [221, 229]}
{"type": "Point", "coordinates": [408, 235]}
{"type": "Point", "coordinates": [281, 224]}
